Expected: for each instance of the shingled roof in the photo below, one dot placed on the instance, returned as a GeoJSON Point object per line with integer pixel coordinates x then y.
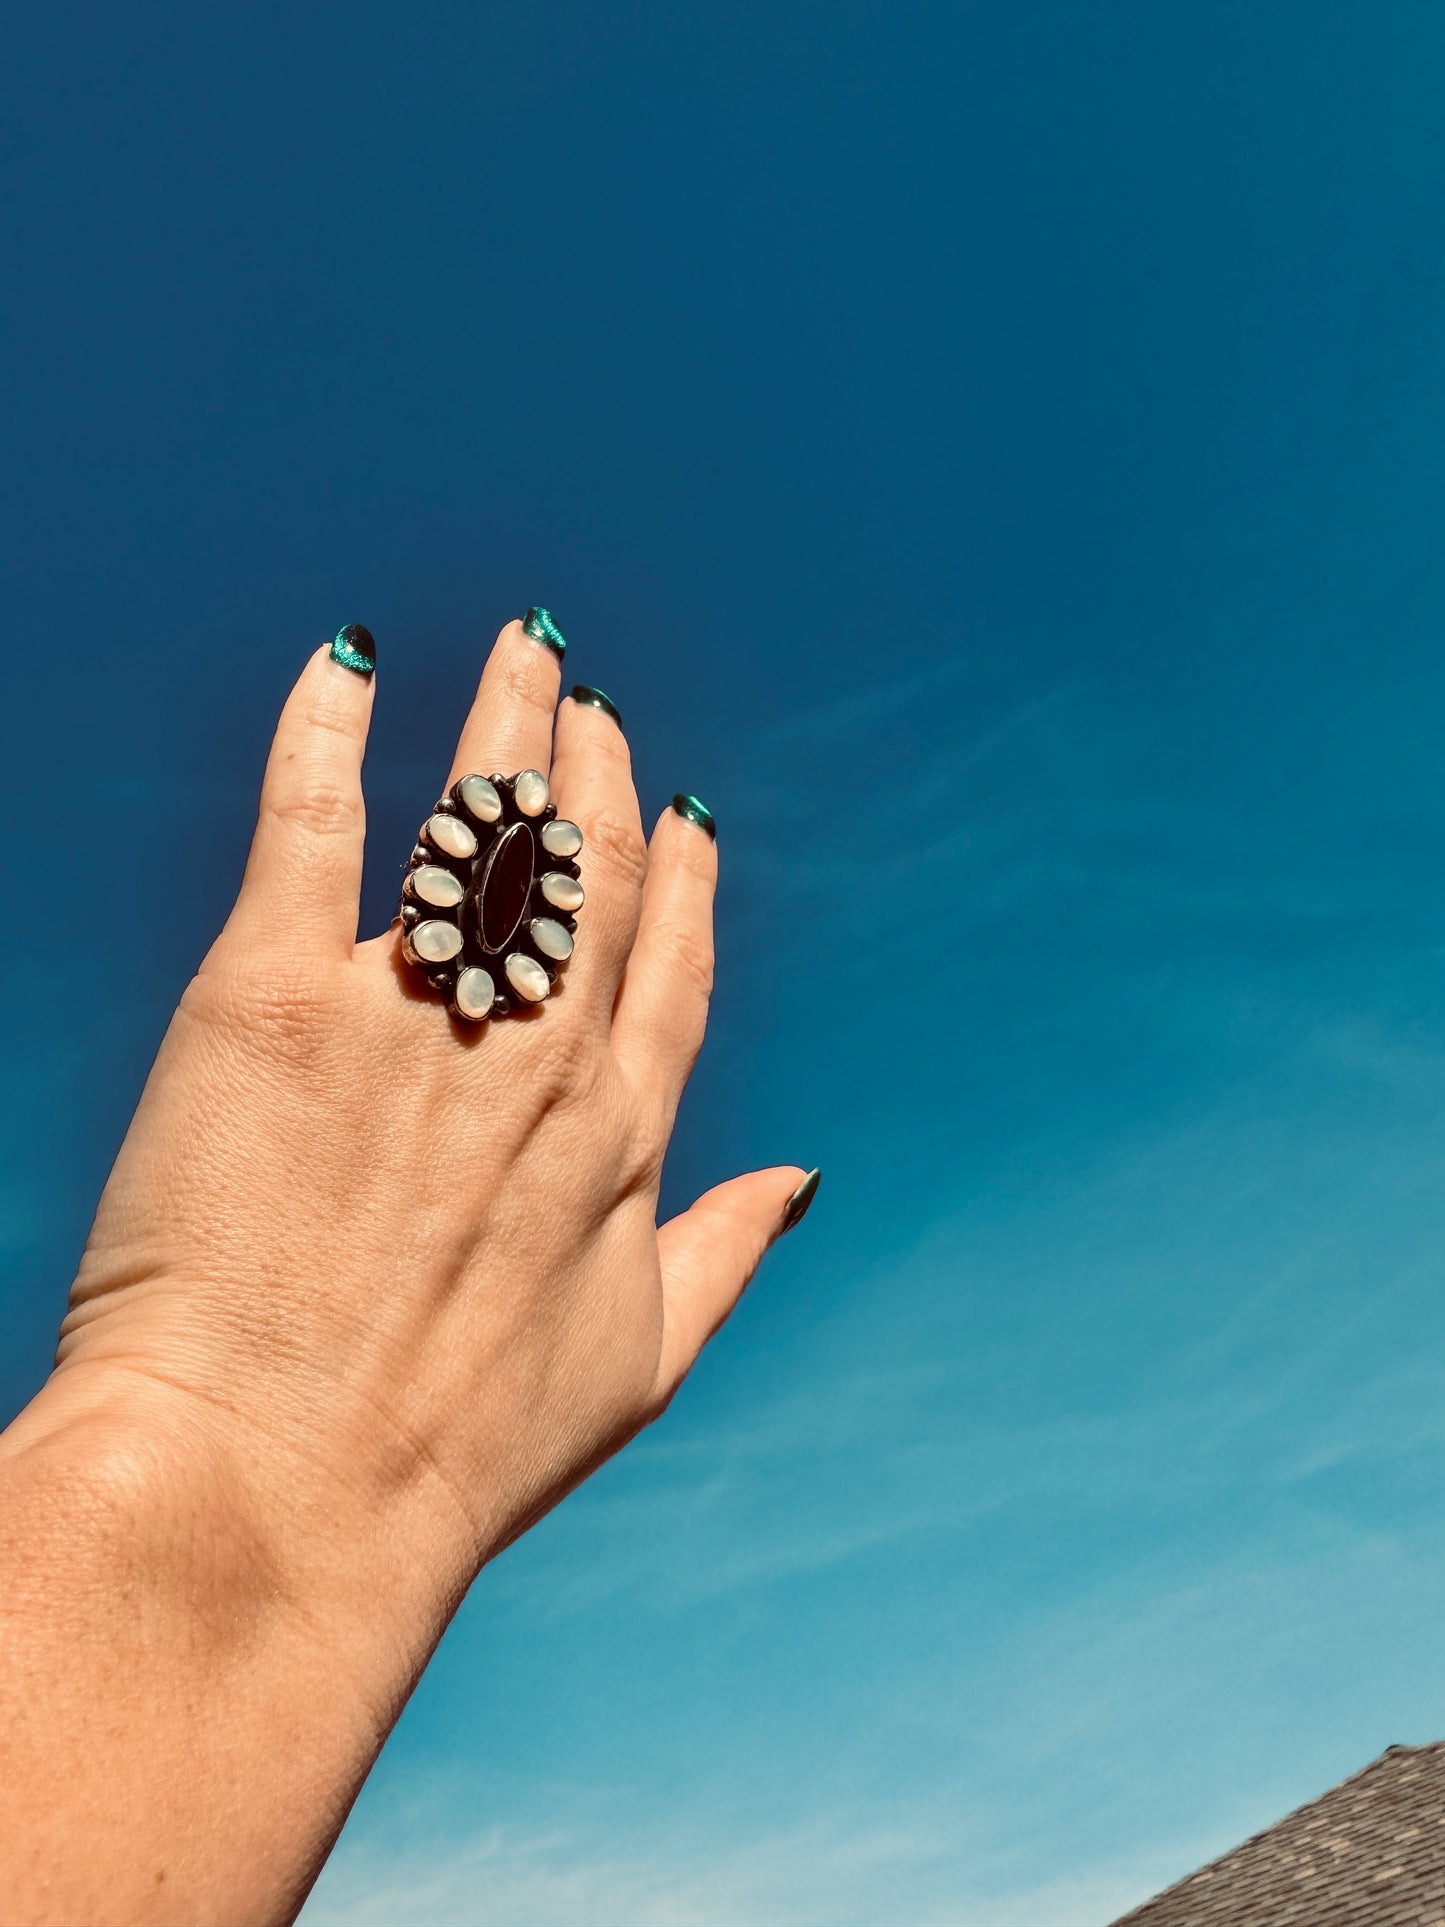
{"type": "Point", "coordinates": [1369, 1853]}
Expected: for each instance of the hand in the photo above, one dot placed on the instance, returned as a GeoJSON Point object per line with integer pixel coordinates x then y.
{"type": "Point", "coordinates": [417, 1268]}
{"type": "Point", "coordinates": [365, 1295]}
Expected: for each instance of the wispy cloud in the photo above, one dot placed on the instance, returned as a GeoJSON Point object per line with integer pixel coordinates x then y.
{"type": "Point", "coordinates": [852, 1873]}
{"type": "Point", "coordinates": [1063, 1816]}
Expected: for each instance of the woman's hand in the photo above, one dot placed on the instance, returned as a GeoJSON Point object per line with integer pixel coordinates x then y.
{"type": "Point", "coordinates": [366, 1295]}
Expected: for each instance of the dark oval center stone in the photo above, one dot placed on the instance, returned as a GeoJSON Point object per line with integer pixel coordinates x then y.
{"type": "Point", "coordinates": [500, 896]}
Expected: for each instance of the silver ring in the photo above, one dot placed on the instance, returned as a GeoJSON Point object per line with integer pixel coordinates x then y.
{"type": "Point", "coordinates": [491, 893]}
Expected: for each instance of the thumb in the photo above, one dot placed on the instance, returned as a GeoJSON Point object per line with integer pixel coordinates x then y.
{"type": "Point", "coordinates": [710, 1252]}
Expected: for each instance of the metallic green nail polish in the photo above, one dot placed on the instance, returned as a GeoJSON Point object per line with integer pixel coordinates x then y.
{"type": "Point", "coordinates": [796, 1207]}
{"type": "Point", "coordinates": [696, 812]}
{"type": "Point", "coordinates": [355, 648]}
{"type": "Point", "coordinates": [585, 694]}
{"type": "Point", "coordinates": [540, 627]}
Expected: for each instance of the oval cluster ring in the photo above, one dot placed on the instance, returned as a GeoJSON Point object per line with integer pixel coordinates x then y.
{"type": "Point", "coordinates": [491, 893]}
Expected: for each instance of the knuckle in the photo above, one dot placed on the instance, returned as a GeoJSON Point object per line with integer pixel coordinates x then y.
{"type": "Point", "coordinates": [643, 1151]}
{"type": "Point", "coordinates": [606, 744]}
{"type": "Point", "coordinates": [278, 1004]}
{"type": "Point", "coordinates": [565, 1067]}
{"type": "Point", "coordinates": [524, 679]}
{"type": "Point", "coordinates": [619, 845]}
{"type": "Point", "coordinates": [685, 953]}
{"type": "Point", "coordinates": [317, 809]}
{"type": "Point", "coordinates": [320, 718]}
{"type": "Point", "coordinates": [695, 856]}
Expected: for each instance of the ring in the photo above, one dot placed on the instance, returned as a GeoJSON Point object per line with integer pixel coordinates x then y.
{"type": "Point", "coordinates": [490, 894]}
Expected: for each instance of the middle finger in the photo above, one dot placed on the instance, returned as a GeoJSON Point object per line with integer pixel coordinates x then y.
{"type": "Point", "coordinates": [510, 724]}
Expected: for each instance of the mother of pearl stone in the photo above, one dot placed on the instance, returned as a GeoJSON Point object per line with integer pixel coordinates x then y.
{"type": "Point", "coordinates": [480, 798]}
{"type": "Point", "coordinates": [532, 793]}
{"type": "Point", "coordinates": [561, 838]}
{"type": "Point", "coordinates": [527, 977]}
{"type": "Point", "coordinates": [552, 939]}
{"type": "Point", "coordinates": [449, 833]}
{"type": "Point", "coordinates": [475, 994]}
{"type": "Point", "coordinates": [436, 942]}
{"type": "Point", "coordinates": [431, 884]}
{"type": "Point", "coordinates": [562, 892]}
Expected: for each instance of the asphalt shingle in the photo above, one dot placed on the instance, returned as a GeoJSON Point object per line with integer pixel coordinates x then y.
{"type": "Point", "coordinates": [1369, 1853]}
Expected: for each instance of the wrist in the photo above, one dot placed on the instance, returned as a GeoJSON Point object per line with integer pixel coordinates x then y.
{"type": "Point", "coordinates": [239, 1530]}
{"type": "Point", "coordinates": [150, 1624]}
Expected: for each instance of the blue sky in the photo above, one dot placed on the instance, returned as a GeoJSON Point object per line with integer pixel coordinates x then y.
{"type": "Point", "coordinates": [993, 455]}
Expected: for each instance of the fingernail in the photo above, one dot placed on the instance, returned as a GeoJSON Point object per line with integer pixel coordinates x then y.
{"type": "Point", "coordinates": [696, 812]}
{"type": "Point", "coordinates": [795, 1210]}
{"type": "Point", "coordinates": [583, 694]}
{"type": "Point", "coordinates": [540, 627]}
{"type": "Point", "coordinates": [354, 647]}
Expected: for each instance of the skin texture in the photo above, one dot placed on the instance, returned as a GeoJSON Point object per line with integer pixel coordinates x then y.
{"type": "Point", "coordinates": [365, 1296]}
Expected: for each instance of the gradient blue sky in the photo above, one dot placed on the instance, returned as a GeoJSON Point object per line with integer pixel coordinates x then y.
{"type": "Point", "coordinates": [993, 454]}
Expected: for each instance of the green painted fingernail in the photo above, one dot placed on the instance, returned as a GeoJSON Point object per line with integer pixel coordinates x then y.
{"type": "Point", "coordinates": [796, 1208]}
{"type": "Point", "coordinates": [583, 693]}
{"type": "Point", "coordinates": [540, 627]}
{"type": "Point", "coordinates": [696, 812]}
{"type": "Point", "coordinates": [354, 647]}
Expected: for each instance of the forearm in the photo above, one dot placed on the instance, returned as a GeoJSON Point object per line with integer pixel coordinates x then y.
{"type": "Point", "coordinates": [185, 1715]}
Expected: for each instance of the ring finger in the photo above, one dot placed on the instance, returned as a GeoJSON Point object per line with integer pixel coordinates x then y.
{"type": "Point", "coordinates": [592, 782]}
